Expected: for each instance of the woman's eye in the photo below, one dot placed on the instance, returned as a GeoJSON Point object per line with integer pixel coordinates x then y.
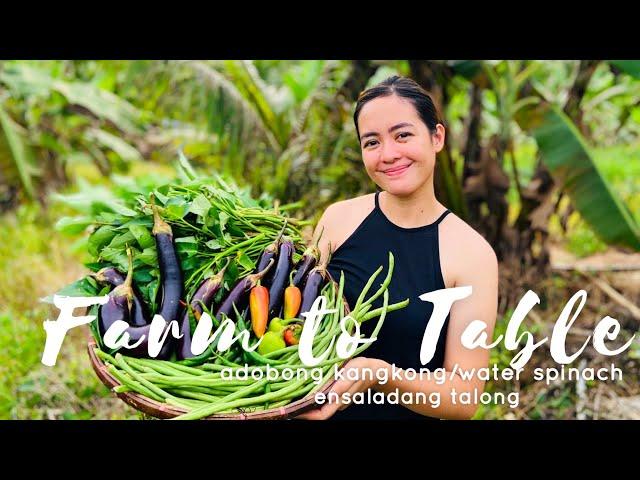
{"type": "Point", "coordinates": [369, 143]}
{"type": "Point", "coordinates": [404, 135]}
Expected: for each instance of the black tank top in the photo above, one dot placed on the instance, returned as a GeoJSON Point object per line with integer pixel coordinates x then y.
{"type": "Point", "coordinates": [417, 271]}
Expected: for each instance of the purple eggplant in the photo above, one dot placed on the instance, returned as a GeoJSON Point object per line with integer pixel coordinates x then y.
{"type": "Point", "coordinates": [142, 350]}
{"type": "Point", "coordinates": [280, 277]}
{"type": "Point", "coordinates": [120, 307]}
{"type": "Point", "coordinates": [140, 313]}
{"type": "Point", "coordinates": [119, 304]}
{"type": "Point", "coordinates": [170, 273]}
{"type": "Point", "coordinates": [204, 296]}
{"type": "Point", "coordinates": [316, 279]}
{"type": "Point", "coordinates": [309, 260]}
{"type": "Point", "coordinates": [269, 253]}
{"type": "Point", "coordinates": [240, 292]}
{"type": "Point", "coordinates": [171, 288]}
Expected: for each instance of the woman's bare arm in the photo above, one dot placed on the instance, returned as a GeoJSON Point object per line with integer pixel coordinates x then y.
{"type": "Point", "coordinates": [481, 273]}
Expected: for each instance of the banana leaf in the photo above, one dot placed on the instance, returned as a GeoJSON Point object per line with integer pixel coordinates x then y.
{"type": "Point", "coordinates": [28, 81]}
{"type": "Point", "coordinates": [236, 95]}
{"type": "Point", "coordinates": [630, 67]}
{"type": "Point", "coordinates": [566, 155]}
{"type": "Point", "coordinates": [467, 68]}
{"type": "Point", "coordinates": [18, 150]}
{"type": "Point", "coordinates": [254, 90]}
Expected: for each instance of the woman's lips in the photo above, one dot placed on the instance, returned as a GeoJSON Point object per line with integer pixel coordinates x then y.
{"type": "Point", "coordinates": [396, 171]}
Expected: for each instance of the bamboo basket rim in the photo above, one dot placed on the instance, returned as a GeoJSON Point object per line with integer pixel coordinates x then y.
{"type": "Point", "coordinates": [165, 411]}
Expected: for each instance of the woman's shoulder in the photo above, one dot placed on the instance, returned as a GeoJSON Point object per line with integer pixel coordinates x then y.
{"type": "Point", "coordinates": [463, 248]}
{"type": "Point", "coordinates": [341, 218]}
{"type": "Point", "coordinates": [352, 207]}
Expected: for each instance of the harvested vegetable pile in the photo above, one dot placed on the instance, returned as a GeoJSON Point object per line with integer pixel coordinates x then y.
{"type": "Point", "coordinates": [202, 248]}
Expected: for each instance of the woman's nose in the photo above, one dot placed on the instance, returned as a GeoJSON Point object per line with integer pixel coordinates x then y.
{"type": "Point", "coordinates": [389, 152]}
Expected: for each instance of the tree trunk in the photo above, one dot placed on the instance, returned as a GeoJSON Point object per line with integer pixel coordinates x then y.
{"type": "Point", "coordinates": [472, 147]}
{"type": "Point", "coordinates": [577, 91]}
{"type": "Point", "coordinates": [361, 72]}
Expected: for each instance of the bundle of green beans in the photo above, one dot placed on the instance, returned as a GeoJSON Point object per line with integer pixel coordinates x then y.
{"type": "Point", "coordinates": [202, 391]}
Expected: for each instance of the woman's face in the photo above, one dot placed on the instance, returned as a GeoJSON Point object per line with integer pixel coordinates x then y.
{"type": "Point", "coordinates": [398, 150]}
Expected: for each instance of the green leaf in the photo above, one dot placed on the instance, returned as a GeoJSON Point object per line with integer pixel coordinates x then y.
{"type": "Point", "coordinates": [224, 218]}
{"type": "Point", "coordinates": [149, 291]}
{"type": "Point", "coordinates": [149, 256]}
{"type": "Point", "coordinates": [567, 156]}
{"type": "Point", "coordinates": [84, 287]}
{"type": "Point", "coordinates": [101, 237]}
{"type": "Point", "coordinates": [232, 93]}
{"type": "Point", "coordinates": [26, 81]}
{"type": "Point", "coordinates": [73, 225]}
{"type": "Point", "coordinates": [93, 327]}
{"type": "Point", "coordinates": [142, 235]}
{"type": "Point", "coordinates": [125, 151]}
{"type": "Point", "coordinates": [94, 199]}
{"type": "Point", "coordinates": [303, 78]}
{"type": "Point", "coordinates": [186, 167]}
{"type": "Point", "coordinates": [190, 239]}
{"type": "Point", "coordinates": [113, 219]}
{"type": "Point", "coordinates": [160, 196]}
{"type": "Point", "coordinates": [117, 256]}
{"type": "Point", "coordinates": [253, 88]}
{"type": "Point", "coordinates": [200, 205]}
{"type": "Point", "coordinates": [101, 103]}
{"type": "Point", "coordinates": [144, 275]}
{"type": "Point", "coordinates": [244, 260]}
{"type": "Point", "coordinates": [122, 240]}
{"type": "Point", "coordinates": [29, 81]}
{"type": "Point", "coordinates": [94, 266]}
{"type": "Point", "coordinates": [190, 263]}
{"type": "Point", "coordinates": [214, 244]}
{"type": "Point", "coordinates": [187, 246]}
{"type": "Point", "coordinates": [19, 151]}
{"type": "Point", "coordinates": [630, 67]}
{"type": "Point", "coordinates": [122, 210]}
{"type": "Point", "coordinates": [176, 212]}
{"type": "Point", "coordinates": [467, 68]}
{"type": "Point", "coordinates": [176, 208]}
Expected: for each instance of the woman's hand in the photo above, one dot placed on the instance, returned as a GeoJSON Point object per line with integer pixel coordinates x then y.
{"type": "Point", "coordinates": [343, 385]}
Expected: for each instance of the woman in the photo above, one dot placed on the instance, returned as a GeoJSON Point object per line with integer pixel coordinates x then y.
{"type": "Point", "coordinates": [400, 134]}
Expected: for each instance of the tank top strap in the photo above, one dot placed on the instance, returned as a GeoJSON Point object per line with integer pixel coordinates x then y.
{"type": "Point", "coordinates": [441, 217]}
{"type": "Point", "coordinates": [377, 202]}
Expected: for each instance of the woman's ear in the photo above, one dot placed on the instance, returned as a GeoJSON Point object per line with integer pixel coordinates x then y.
{"type": "Point", "coordinates": [438, 138]}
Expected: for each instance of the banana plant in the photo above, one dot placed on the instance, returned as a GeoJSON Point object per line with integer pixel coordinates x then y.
{"type": "Point", "coordinates": [567, 156]}
{"type": "Point", "coordinates": [14, 150]}
{"type": "Point", "coordinates": [48, 121]}
{"type": "Point", "coordinates": [247, 110]}
{"type": "Point", "coordinates": [561, 147]}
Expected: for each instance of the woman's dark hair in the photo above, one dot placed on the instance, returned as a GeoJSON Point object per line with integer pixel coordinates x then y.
{"type": "Point", "coordinates": [404, 88]}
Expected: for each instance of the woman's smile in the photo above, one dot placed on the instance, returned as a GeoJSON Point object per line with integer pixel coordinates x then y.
{"type": "Point", "coordinates": [397, 170]}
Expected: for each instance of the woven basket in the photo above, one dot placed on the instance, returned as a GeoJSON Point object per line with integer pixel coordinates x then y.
{"type": "Point", "coordinates": [164, 411]}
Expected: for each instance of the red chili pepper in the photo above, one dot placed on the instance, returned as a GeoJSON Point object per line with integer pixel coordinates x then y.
{"type": "Point", "coordinates": [259, 305]}
{"type": "Point", "coordinates": [292, 300]}
{"type": "Point", "coordinates": [291, 334]}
